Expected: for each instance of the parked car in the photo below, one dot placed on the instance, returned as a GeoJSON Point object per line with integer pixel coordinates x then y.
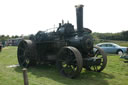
{"type": "Point", "coordinates": [113, 48]}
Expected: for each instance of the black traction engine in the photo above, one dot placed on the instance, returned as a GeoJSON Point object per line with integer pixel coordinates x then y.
{"type": "Point", "coordinates": [69, 49]}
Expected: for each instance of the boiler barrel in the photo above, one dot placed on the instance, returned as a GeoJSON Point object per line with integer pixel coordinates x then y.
{"type": "Point", "coordinates": [79, 17]}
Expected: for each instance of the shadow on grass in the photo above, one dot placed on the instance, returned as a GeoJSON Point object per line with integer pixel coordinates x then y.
{"type": "Point", "coordinates": [85, 78]}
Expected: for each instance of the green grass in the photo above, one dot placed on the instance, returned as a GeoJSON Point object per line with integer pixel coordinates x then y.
{"type": "Point", "coordinates": [116, 73]}
{"type": "Point", "coordinates": [122, 43]}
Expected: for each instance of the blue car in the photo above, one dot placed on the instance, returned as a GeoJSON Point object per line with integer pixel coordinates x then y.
{"type": "Point", "coordinates": [113, 48]}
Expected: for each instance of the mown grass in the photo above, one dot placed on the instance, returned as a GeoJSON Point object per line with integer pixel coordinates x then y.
{"type": "Point", "coordinates": [116, 73]}
{"type": "Point", "coordinates": [121, 43]}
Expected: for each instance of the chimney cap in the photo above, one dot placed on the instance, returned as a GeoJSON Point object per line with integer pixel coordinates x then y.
{"type": "Point", "coordinates": [78, 6]}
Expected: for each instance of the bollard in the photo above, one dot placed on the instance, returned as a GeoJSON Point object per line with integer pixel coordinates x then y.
{"type": "Point", "coordinates": [25, 76]}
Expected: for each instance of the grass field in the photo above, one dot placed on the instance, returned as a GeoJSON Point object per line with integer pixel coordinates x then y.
{"type": "Point", "coordinates": [116, 73]}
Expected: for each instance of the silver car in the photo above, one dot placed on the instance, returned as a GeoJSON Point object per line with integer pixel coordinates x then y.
{"type": "Point", "coordinates": [113, 48]}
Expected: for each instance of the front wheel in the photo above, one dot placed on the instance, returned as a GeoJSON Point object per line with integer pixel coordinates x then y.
{"type": "Point", "coordinates": [99, 53]}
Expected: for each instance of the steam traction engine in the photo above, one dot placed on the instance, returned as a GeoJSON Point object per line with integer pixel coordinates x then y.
{"type": "Point", "coordinates": [71, 50]}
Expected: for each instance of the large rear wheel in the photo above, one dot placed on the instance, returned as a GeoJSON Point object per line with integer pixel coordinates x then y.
{"type": "Point", "coordinates": [69, 62]}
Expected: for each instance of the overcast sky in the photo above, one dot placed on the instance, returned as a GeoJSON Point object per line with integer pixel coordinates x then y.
{"type": "Point", "coordinates": [29, 16]}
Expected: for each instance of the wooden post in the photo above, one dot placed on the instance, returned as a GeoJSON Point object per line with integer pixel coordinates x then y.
{"type": "Point", "coordinates": [0, 48]}
{"type": "Point", "coordinates": [25, 76]}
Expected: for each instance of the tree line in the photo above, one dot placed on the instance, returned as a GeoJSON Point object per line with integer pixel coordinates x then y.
{"type": "Point", "coordinates": [122, 36]}
{"type": "Point", "coordinates": [6, 37]}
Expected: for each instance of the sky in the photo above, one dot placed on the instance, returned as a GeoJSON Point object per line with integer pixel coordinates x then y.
{"type": "Point", "coordinates": [24, 17]}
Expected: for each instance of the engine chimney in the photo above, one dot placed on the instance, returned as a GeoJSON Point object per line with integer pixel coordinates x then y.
{"type": "Point", "coordinates": [79, 17]}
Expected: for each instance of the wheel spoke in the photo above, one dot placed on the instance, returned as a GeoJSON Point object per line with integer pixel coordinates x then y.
{"type": "Point", "coordinates": [94, 68]}
{"type": "Point", "coordinates": [96, 53]}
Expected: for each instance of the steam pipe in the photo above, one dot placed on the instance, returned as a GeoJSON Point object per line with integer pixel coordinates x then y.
{"type": "Point", "coordinates": [79, 17]}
